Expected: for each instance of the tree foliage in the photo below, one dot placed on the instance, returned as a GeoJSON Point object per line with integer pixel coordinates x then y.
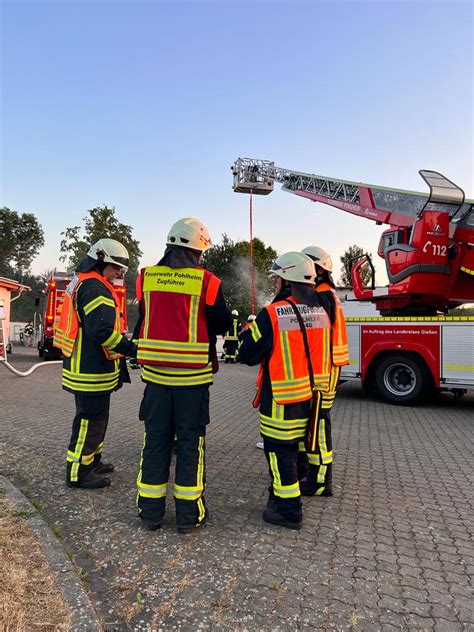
{"type": "Point", "coordinates": [347, 260]}
{"type": "Point", "coordinates": [25, 307]}
{"type": "Point", "coordinates": [230, 261]}
{"type": "Point", "coordinates": [101, 222]}
{"type": "Point", "coordinates": [21, 237]}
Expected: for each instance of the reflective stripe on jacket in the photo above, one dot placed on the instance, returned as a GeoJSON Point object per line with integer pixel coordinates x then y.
{"type": "Point", "coordinates": [288, 365]}
{"type": "Point", "coordinates": [68, 328]}
{"type": "Point", "coordinates": [174, 329]}
{"type": "Point", "coordinates": [233, 333]}
{"type": "Point", "coordinates": [340, 349]}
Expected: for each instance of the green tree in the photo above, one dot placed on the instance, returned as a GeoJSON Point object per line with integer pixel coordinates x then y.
{"type": "Point", "coordinates": [21, 237]}
{"type": "Point", "coordinates": [100, 222]}
{"type": "Point", "coordinates": [230, 261]}
{"type": "Point", "coordinates": [351, 253]}
{"type": "Point", "coordinates": [24, 308]}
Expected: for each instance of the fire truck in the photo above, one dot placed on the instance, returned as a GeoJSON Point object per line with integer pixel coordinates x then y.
{"type": "Point", "coordinates": [55, 288]}
{"type": "Point", "coordinates": [413, 346]}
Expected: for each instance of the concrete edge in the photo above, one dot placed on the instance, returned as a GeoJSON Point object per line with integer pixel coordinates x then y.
{"type": "Point", "coordinates": [83, 615]}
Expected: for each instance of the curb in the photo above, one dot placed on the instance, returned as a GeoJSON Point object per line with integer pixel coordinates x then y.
{"type": "Point", "coordinates": [83, 615]}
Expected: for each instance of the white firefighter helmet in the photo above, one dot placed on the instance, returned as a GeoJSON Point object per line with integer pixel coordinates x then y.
{"type": "Point", "coordinates": [234, 312]}
{"type": "Point", "coordinates": [319, 256]}
{"type": "Point", "coordinates": [189, 232]}
{"type": "Point", "coordinates": [294, 266]}
{"type": "Point", "coordinates": [109, 251]}
{"type": "Point", "coordinates": [251, 318]}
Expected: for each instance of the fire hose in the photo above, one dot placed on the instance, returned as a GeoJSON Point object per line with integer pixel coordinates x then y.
{"type": "Point", "coordinates": [30, 370]}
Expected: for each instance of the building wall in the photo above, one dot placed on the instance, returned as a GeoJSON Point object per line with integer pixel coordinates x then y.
{"type": "Point", "coordinates": [5, 299]}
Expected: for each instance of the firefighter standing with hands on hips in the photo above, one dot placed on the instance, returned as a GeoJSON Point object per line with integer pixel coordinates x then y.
{"type": "Point", "coordinates": [315, 470]}
{"type": "Point", "coordinates": [291, 340]}
{"type": "Point", "coordinates": [91, 337]}
{"type": "Point", "coordinates": [231, 342]}
{"type": "Point", "coordinates": [182, 309]}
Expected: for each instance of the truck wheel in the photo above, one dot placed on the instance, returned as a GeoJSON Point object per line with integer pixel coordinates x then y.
{"type": "Point", "coordinates": [403, 379]}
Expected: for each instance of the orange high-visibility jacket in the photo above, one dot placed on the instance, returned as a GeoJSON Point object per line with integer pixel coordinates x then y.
{"type": "Point", "coordinates": [288, 364]}
{"type": "Point", "coordinates": [67, 329]}
{"type": "Point", "coordinates": [174, 329]}
{"type": "Point", "coordinates": [340, 349]}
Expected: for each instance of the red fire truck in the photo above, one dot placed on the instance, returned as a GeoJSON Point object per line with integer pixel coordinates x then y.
{"type": "Point", "coordinates": [413, 346]}
{"type": "Point", "coordinates": [55, 288]}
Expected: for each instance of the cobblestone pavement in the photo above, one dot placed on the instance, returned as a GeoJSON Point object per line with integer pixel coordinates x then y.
{"type": "Point", "coordinates": [392, 550]}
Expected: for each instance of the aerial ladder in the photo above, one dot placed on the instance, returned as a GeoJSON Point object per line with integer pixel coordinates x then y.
{"type": "Point", "coordinates": [428, 248]}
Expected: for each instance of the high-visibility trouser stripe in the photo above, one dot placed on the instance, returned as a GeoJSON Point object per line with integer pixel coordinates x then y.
{"type": "Point", "coordinates": [100, 300]}
{"type": "Point", "coordinates": [166, 356]}
{"type": "Point", "coordinates": [321, 478]}
{"type": "Point", "coordinates": [87, 459]}
{"type": "Point", "coordinates": [145, 489]}
{"type": "Point", "coordinates": [315, 459]}
{"type": "Point", "coordinates": [286, 355]}
{"type": "Point", "coordinates": [201, 509]}
{"type": "Point", "coordinates": [255, 331]}
{"type": "Point", "coordinates": [90, 388]}
{"type": "Point", "coordinates": [173, 345]}
{"type": "Point", "coordinates": [283, 491]}
{"type": "Point", "coordinates": [322, 441]}
{"type": "Point", "coordinates": [113, 340]}
{"type": "Point", "coordinates": [193, 318]}
{"type": "Point", "coordinates": [91, 377]}
{"type": "Point", "coordinates": [151, 491]}
{"type": "Point", "coordinates": [231, 338]}
{"type": "Point", "coordinates": [193, 492]}
{"type": "Point", "coordinates": [75, 457]}
{"type": "Point", "coordinates": [100, 448]}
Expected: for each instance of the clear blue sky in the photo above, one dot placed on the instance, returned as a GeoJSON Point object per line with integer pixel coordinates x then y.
{"type": "Point", "coordinates": [145, 105]}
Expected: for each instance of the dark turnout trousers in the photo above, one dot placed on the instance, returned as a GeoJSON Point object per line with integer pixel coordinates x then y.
{"type": "Point", "coordinates": [285, 491]}
{"type": "Point", "coordinates": [168, 411]}
{"type": "Point", "coordinates": [88, 432]}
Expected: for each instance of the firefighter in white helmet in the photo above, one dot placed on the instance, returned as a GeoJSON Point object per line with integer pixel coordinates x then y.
{"type": "Point", "coordinates": [315, 470]}
{"type": "Point", "coordinates": [290, 340]}
{"type": "Point", "coordinates": [91, 337]}
{"type": "Point", "coordinates": [182, 308]}
{"type": "Point", "coordinates": [231, 341]}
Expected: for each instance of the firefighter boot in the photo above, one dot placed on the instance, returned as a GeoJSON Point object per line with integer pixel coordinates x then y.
{"type": "Point", "coordinates": [91, 481]}
{"type": "Point", "coordinates": [318, 481]}
{"type": "Point", "coordinates": [189, 528]}
{"type": "Point", "coordinates": [274, 517]}
{"type": "Point", "coordinates": [102, 468]}
{"type": "Point", "coordinates": [271, 502]}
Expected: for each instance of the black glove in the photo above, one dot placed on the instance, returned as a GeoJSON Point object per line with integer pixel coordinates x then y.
{"type": "Point", "coordinates": [133, 363]}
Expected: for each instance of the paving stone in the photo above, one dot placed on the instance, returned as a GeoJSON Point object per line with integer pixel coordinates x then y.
{"type": "Point", "coordinates": [392, 550]}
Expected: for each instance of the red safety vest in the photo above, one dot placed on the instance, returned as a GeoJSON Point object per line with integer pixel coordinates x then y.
{"type": "Point", "coordinates": [67, 328]}
{"type": "Point", "coordinates": [174, 329]}
{"type": "Point", "coordinates": [288, 364]}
